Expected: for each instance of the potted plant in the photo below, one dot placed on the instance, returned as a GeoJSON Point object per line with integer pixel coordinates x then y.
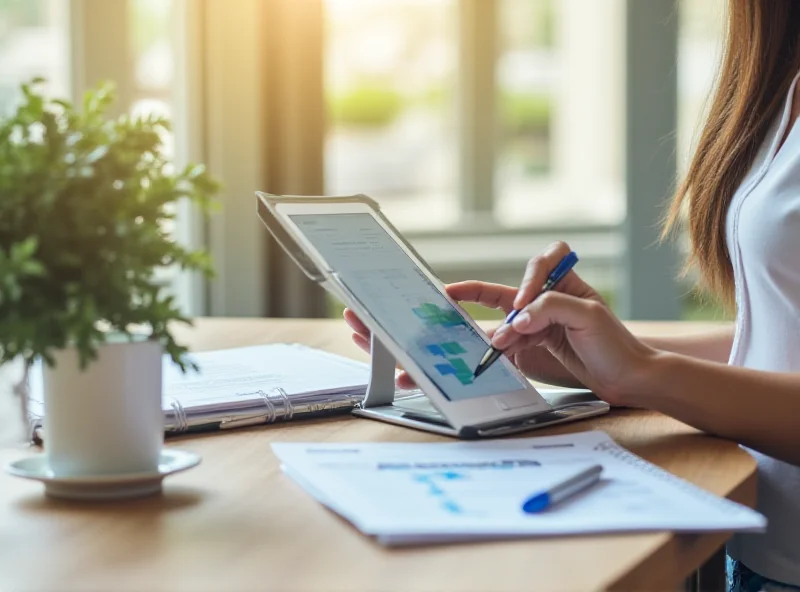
{"type": "Point", "coordinates": [86, 203]}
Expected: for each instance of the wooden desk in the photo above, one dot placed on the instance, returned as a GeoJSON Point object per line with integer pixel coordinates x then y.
{"type": "Point", "coordinates": [237, 523]}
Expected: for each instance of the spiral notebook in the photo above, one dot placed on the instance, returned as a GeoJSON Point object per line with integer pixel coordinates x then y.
{"type": "Point", "coordinates": [247, 386]}
{"type": "Point", "coordinates": [445, 492]}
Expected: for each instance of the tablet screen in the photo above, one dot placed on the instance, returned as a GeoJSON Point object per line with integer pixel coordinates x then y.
{"type": "Point", "coordinates": [406, 304]}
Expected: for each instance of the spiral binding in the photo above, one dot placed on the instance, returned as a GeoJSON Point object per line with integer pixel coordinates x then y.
{"type": "Point", "coordinates": [629, 458]}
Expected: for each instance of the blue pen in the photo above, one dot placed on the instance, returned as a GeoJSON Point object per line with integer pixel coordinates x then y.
{"type": "Point", "coordinates": [562, 269]}
{"type": "Point", "coordinates": [544, 499]}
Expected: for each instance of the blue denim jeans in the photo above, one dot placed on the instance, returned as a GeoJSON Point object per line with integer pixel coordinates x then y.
{"type": "Point", "coordinates": [742, 579]}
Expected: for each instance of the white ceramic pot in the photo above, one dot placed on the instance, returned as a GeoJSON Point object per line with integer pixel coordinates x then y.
{"type": "Point", "coordinates": [106, 419]}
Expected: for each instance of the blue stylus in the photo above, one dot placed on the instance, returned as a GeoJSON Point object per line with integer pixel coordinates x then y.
{"type": "Point", "coordinates": [562, 269]}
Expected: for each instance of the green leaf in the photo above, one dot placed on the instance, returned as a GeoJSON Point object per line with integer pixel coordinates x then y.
{"type": "Point", "coordinates": [25, 249]}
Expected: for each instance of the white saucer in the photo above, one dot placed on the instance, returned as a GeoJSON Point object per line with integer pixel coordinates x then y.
{"type": "Point", "coordinates": [103, 487]}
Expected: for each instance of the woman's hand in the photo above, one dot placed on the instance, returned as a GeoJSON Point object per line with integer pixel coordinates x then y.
{"type": "Point", "coordinates": [579, 330]}
{"type": "Point", "coordinates": [534, 361]}
{"type": "Point", "coordinates": [567, 337]}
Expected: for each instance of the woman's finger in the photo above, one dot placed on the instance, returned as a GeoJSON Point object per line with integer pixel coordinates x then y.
{"type": "Point", "coordinates": [404, 381]}
{"type": "Point", "coordinates": [483, 293]}
{"type": "Point", "coordinates": [362, 342]}
{"type": "Point", "coordinates": [538, 338]}
{"type": "Point", "coordinates": [537, 270]}
{"type": "Point", "coordinates": [521, 343]}
{"type": "Point", "coordinates": [505, 337]}
{"type": "Point", "coordinates": [556, 308]}
{"type": "Point", "coordinates": [355, 323]}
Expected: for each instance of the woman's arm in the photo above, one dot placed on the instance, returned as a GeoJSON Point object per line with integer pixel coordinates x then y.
{"type": "Point", "coordinates": [756, 408]}
{"type": "Point", "coordinates": [714, 346]}
{"type": "Point", "coordinates": [538, 363]}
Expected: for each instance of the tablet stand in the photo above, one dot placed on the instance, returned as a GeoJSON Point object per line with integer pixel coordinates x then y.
{"type": "Point", "coordinates": [380, 390]}
{"type": "Point", "coordinates": [379, 398]}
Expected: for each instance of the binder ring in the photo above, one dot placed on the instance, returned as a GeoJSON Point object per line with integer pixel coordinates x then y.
{"type": "Point", "coordinates": [181, 421]}
{"type": "Point", "coordinates": [288, 408]}
{"type": "Point", "coordinates": [287, 404]}
{"type": "Point", "coordinates": [270, 406]}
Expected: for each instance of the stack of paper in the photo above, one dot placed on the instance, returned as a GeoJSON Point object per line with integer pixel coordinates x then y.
{"type": "Point", "coordinates": [410, 493]}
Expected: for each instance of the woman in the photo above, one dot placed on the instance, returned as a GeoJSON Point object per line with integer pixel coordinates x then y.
{"type": "Point", "coordinates": [742, 195]}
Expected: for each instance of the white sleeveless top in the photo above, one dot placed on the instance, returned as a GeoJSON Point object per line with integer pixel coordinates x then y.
{"type": "Point", "coordinates": [763, 237]}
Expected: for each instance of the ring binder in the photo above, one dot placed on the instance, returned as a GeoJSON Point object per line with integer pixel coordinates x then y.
{"type": "Point", "coordinates": [244, 386]}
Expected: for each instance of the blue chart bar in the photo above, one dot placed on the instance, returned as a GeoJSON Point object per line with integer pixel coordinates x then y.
{"type": "Point", "coordinates": [436, 350]}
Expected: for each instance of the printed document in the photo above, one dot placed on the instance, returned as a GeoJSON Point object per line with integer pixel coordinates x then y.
{"type": "Point", "coordinates": [412, 493]}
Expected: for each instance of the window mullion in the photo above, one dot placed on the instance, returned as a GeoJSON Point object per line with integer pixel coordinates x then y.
{"type": "Point", "coordinates": [478, 53]}
{"type": "Point", "coordinates": [650, 291]}
{"type": "Point", "coordinates": [188, 123]}
{"type": "Point", "coordinates": [100, 49]}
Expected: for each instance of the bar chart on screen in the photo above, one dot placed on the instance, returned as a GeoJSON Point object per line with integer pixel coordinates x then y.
{"type": "Point", "coordinates": [452, 363]}
{"type": "Point", "coordinates": [434, 316]}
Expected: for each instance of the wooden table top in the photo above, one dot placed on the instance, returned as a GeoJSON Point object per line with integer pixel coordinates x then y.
{"type": "Point", "coordinates": [237, 523]}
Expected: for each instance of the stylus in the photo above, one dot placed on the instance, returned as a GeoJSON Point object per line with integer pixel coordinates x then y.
{"type": "Point", "coordinates": [562, 269]}
{"type": "Point", "coordinates": [542, 500]}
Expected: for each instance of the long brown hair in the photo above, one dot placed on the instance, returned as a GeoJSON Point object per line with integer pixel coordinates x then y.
{"type": "Point", "coordinates": [761, 57]}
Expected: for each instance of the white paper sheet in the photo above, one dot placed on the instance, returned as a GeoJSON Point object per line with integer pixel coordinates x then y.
{"type": "Point", "coordinates": [409, 493]}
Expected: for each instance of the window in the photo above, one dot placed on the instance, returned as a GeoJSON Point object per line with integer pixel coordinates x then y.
{"type": "Point", "coordinates": [699, 52]}
{"type": "Point", "coordinates": [701, 32]}
{"type": "Point", "coordinates": [393, 78]}
{"type": "Point", "coordinates": [463, 120]}
{"type": "Point", "coordinates": [390, 76]}
{"type": "Point", "coordinates": [486, 128]}
{"type": "Point", "coordinates": [151, 48]}
{"type": "Point", "coordinates": [151, 24]}
{"type": "Point", "coordinates": [34, 41]}
{"type": "Point", "coordinates": [560, 113]}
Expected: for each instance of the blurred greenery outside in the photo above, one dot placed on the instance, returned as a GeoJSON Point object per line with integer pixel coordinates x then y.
{"type": "Point", "coordinates": [695, 308]}
{"type": "Point", "coordinates": [18, 13]}
{"type": "Point", "coordinates": [524, 118]}
{"type": "Point", "coordinates": [153, 20]}
{"type": "Point", "coordinates": [372, 104]}
{"type": "Point", "coordinates": [367, 106]}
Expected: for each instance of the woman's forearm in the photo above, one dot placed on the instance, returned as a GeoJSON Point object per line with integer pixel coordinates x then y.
{"type": "Point", "coordinates": [756, 408]}
{"type": "Point", "coordinates": [714, 346]}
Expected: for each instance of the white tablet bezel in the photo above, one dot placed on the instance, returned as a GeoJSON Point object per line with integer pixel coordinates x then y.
{"type": "Point", "coordinates": [467, 412]}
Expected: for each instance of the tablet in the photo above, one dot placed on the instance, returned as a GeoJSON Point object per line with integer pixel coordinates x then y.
{"type": "Point", "coordinates": [347, 244]}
